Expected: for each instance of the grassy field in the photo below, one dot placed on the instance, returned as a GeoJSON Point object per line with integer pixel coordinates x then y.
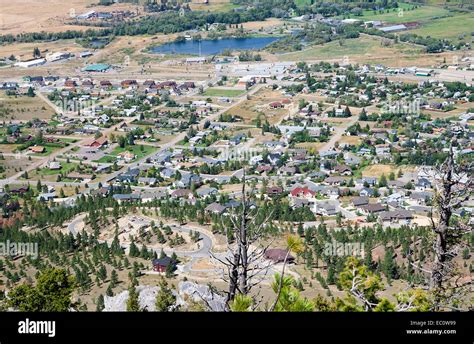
{"type": "Point", "coordinates": [65, 168]}
{"type": "Point", "coordinates": [435, 21]}
{"type": "Point", "coordinates": [301, 3]}
{"type": "Point", "coordinates": [258, 105]}
{"type": "Point", "coordinates": [10, 165]}
{"type": "Point", "coordinates": [213, 6]}
{"type": "Point", "coordinates": [47, 151]}
{"type": "Point", "coordinates": [137, 150]}
{"type": "Point", "coordinates": [450, 27]}
{"type": "Point", "coordinates": [404, 13]}
{"type": "Point", "coordinates": [378, 170]}
{"type": "Point", "coordinates": [23, 108]}
{"type": "Point", "coordinates": [223, 92]}
{"type": "Point", "coordinates": [362, 47]}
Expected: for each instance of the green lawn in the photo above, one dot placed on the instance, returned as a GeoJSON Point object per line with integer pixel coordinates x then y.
{"type": "Point", "coordinates": [69, 140]}
{"type": "Point", "coordinates": [137, 150]}
{"type": "Point", "coordinates": [65, 168]}
{"type": "Point", "coordinates": [47, 151]}
{"type": "Point", "coordinates": [223, 92]}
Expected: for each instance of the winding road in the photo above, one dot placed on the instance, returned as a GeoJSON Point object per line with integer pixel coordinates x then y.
{"type": "Point", "coordinates": [205, 243]}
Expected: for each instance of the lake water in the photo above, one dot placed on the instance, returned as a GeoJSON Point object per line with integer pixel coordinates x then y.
{"type": "Point", "coordinates": [213, 47]}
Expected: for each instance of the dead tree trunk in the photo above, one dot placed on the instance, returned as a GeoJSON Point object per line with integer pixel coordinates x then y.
{"type": "Point", "coordinates": [455, 185]}
{"type": "Point", "coordinates": [243, 262]}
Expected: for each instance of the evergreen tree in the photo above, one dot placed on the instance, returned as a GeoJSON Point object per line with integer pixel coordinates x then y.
{"type": "Point", "coordinates": [300, 230]}
{"type": "Point", "coordinates": [389, 266]}
{"type": "Point", "coordinates": [100, 303]}
{"type": "Point", "coordinates": [133, 251]}
{"type": "Point", "coordinates": [52, 293]}
{"type": "Point", "coordinates": [165, 299]}
{"type": "Point", "coordinates": [132, 302]}
{"type": "Point", "coordinates": [114, 278]}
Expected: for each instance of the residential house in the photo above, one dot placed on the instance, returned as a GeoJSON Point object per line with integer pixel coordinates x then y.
{"type": "Point", "coordinates": [302, 192]}
{"type": "Point", "coordinates": [215, 208]}
{"type": "Point", "coordinates": [367, 192]}
{"type": "Point", "coordinates": [278, 255]}
{"type": "Point", "coordinates": [343, 170]}
{"type": "Point", "coordinates": [334, 180]}
{"type": "Point", "coordinates": [163, 264]}
{"type": "Point", "coordinates": [325, 209]}
{"type": "Point", "coordinates": [372, 208]}
{"type": "Point", "coordinates": [360, 201]}
{"type": "Point", "coordinates": [147, 181]}
{"type": "Point", "coordinates": [396, 216]}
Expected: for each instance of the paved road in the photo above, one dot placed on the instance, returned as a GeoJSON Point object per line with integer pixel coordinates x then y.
{"type": "Point", "coordinates": [338, 133]}
{"type": "Point", "coordinates": [205, 244]}
{"type": "Point", "coordinates": [14, 179]}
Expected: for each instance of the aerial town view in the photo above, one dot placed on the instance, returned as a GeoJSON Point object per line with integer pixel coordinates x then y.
{"type": "Point", "coordinates": [236, 156]}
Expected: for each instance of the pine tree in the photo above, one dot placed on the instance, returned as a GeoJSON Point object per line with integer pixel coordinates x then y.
{"type": "Point", "coordinates": [165, 299]}
{"type": "Point", "coordinates": [109, 292]}
{"type": "Point", "coordinates": [169, 271]}
{"type": "Point", "coordinates": [389, 266]}
{"type": "Point", "coordinates": [114, 278]}
{"type": "Point", "coordinates": [133, 251]}
{"type": "Point", "coordinates": [300, 230]}
{"type": "Point", "coordinates": [174, 258]}
{"type": "Point", "coordinates": [132, 302]}
{"type": "Point", "coordinates": [102, 273]}
{"type": "Point", "coordinates": [100, 303]}
{"type": "Point", "coordinates": [331, 277]}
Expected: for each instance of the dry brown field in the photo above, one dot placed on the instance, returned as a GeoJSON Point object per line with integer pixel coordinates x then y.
{"type": "Point", "coordinates": [24, 108]}
{"type": "Point", "coordinates": [20, 16]}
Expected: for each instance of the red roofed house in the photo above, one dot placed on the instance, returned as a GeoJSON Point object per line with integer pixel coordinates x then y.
{"type": "Point", "coordinates": [302, 192]}
{"type": "Point", "coordinates": [129, 84]}
{"type": "Point", "coordinates": [276, 105]}
{"type": "Point", "coordinates": [98, 143]}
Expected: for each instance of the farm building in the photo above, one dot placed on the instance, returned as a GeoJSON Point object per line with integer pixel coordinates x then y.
{"type": "Point", "coordinates": [393, 28]}
{"type": "Point", "coordinates": [31, 63]}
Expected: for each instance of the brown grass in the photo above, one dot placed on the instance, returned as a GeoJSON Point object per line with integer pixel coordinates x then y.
{"type": "Point", "coordinates": [20, 16]}
{"type": "Point", "coordinates": [12, 165]}
{"type": "Point", "coordinates": [25, 108]}
{"type": "Point", "coordinates": [258, 103]}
